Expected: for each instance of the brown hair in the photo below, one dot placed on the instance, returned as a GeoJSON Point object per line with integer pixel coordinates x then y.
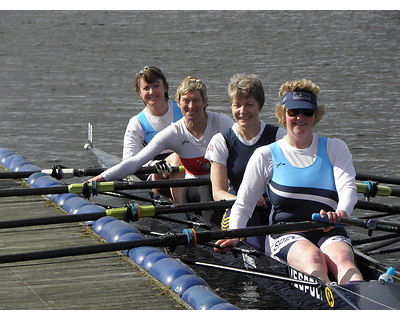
{"type": "Point", "coordinates": [150, 75]}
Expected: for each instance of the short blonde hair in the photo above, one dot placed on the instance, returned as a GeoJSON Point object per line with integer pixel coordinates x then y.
{"type": "Point", "coordinates": [191, 84]}
{"type": "Point", "coordinates": [297, 85]}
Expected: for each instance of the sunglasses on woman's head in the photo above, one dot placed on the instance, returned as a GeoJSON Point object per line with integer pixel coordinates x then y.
{"type": "Point", "coordinates": [296, 112]}
{"type": "Point", "coordinates": [150, 67]}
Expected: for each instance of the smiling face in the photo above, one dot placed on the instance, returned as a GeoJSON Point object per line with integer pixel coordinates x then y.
{"type": "Point", "coordinates": [245, 111]}
{"type": "Point", "coordinates": [299, 129]}
{"type": "Point", "coordinates": [153, 94]}
{"type": "Point", "coordinates": [192, 105]}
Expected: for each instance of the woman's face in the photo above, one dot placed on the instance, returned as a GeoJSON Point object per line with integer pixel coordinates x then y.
{"type": "Point", "coordinates": [153, 94]}
{"type": "Point", "coordinates": [245, 111]}
{"type": "Point", "coordinates": [298, 123]}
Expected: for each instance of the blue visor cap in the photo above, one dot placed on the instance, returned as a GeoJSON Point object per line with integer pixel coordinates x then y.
{"type": "Point", "coordinates": [300, 100]}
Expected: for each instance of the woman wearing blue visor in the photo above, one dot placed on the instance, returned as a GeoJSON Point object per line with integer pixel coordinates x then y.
{"type": "Point", "coordinates": [303, 173]}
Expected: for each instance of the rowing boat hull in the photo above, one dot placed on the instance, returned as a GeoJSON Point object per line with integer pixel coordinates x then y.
{"type": "Point", "coordinates": [370, 295]}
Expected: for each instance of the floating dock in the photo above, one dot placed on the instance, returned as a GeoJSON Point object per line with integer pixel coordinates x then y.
{"type": "Point", "coordinates": [104, 281]}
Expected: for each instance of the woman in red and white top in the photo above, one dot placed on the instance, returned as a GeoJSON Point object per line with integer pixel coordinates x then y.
{"type": "Point", "coordinates": [188, 137]}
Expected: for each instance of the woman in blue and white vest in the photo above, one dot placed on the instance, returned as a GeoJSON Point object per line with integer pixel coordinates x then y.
{"type": "Point", "coordinates": [303, 173]}
{"type": "Point", "coordinates": [159, 112]}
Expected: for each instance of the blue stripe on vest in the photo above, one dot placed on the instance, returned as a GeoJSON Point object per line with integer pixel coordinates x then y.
{"type": "Point", "coordinates": [296, 193]}
{"type": "Point", "coordinates": [148, 130]}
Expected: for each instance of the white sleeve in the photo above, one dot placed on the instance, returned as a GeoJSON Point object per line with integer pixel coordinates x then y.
{"type": "Point", "coordinates": [344, 173]}
{"type": "Point", "coordinates": [133, 138]}
{"type": "Point", "coordinates": [217, 151]}
{"type": "Point", "coordinates": [255, 179]}
{"type": "Point", "coordinates": [161, 141]}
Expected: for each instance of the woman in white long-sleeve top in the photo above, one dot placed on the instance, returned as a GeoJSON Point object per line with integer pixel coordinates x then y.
{"type": "Point", "coordinates": [188, 137]}
{"type": "Point", "coordinates": [159, 112]}
{"type": "Point", "coordinates": [303, 173]}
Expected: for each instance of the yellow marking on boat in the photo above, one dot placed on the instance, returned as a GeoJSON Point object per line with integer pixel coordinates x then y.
{"type": "Point", "coordinates": [330, 299]}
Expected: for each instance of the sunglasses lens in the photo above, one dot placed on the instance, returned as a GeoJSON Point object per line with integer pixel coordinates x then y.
{"type": "Point", "coordinates": [308, 112]}
{"type": "Point", "coordinates": [295, 112]}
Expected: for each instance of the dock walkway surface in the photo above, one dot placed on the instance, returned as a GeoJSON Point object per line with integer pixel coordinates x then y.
{"type": "Point", "coordinates": [104, 281]}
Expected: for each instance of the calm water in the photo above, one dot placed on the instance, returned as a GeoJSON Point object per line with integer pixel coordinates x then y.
{"type": "Point", "coordinates": [62, 69]}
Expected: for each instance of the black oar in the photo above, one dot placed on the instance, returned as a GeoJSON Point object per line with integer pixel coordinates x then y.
{"type": "Point", "coordinates": [187, 237]}
{"type": "Point", "coordinates": [58, 173]}
{"type": "Point", "coordinates": [66, 173]}
{"type": "Point", "coordinates": [382, 244]}
{"type": "Point", "coordinates": [94, 188]}
{"type": "Point", "coordinates": [383, 251]}
{"type": "Point", "coordinates": [252, 272]}
{"type": "Point", "coordinates": [380, 207]}
{"type": "Point", "coordinates": [132, 212]}
{"type": "Point", "coordinates": [370, 224]}
{"type": "Point", "coordinates": [389, 180]}
{"type": "Point", "coordinates": [357, 242]}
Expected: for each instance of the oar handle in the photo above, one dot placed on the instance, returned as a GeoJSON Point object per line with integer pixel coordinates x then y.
{"type": "Point", "coordinates": [317, 217]}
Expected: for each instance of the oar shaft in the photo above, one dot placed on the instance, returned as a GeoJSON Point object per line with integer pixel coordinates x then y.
{"type": "Point", "coordinates": [62, 173]}
{"type": "Point", "coordinates": [50, 220]}
{"type": "Point", "coordinates": [389, 180]}
{"type": "Point", "coordinates": [153, 169]}
{"type": "Point", "coordinates": [65, 173]}
{"type": "Point", "coordinates": [384, 243]}
{"type": "Point", "coordinates": [119, 213]}
{"type": "Point", "coordinates": [383, 251]}
{"type": "Point", "coordinates": [33, 191]}
{"type": "Point", "coordinates": [381, 207]}
{"type": "Point", "coordinates": [161, 184]}
{"type": "Point", "coordinates": [366, 224]}
{"type": "Point", "coordinates": [164, 241]}
{"type": "Point", "coordinates": [150, 211]}
{"type": "Point", "coordinates": [79, 188]}
{"type": "Point", "coordinates": [84, 250]}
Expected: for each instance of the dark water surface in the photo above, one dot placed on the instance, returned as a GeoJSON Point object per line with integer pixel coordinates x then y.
{"type": "Point", "coordinates": [62, 69]}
